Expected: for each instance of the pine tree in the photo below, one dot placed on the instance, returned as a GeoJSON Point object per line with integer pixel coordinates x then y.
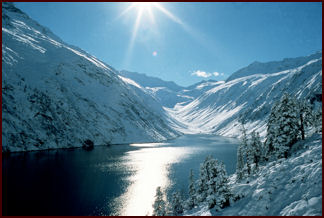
{"type": "Point", "coordinates": [240, 163]}
{"type": "Point", "coordinates": [176, 205]}
{"type": "Point", "coordinates": [256, 149]}
{"type": "Point", "coordinates": [248, 160]}
{"type": "Point", "coordinates": [159, 208]}
{"type": "Point", "coordinates": [191, 202]}
{"type": "Point", "coordinates": [305, 116]}
{"type": "Point", "coordinates": [247, 151]}
{"type": "Point", "coordinates": [201, 187]}
{"type": "Point", "coordinates": [213, 183]}
{"type": "Point", "coordinates": [287, 129]}
{"type": "Point", "coordinates": [262, 150]}
{"type": "Point", "coordinates": [271, 133]}
{"type": "Point", "coordinates": [317, 120]}
{"type": "Point", "coordinates": [282, 127]}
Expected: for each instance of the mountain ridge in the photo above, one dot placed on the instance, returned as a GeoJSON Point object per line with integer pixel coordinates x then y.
{"type": "Point", "coordinates": [58, 96]}
{"type": "Point", "coordinates": [220, 109]}
{"type": "Point", "coordinates": [273, 66]}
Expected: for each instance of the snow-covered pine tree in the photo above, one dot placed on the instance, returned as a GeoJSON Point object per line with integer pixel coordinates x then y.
{"type": "Point", "coordinates": [176, 205]}
{"type": "Point", "coordinates": [240, 163]}
{"type": "Point", "coordinates": [256, 149]}
{"type": "Point", "coordinates": [247, 151]}
{"type": "Point", "coordinates": [213, 176]}
{"type": "Point", "coordinates": [271, 127]}
{"type": "Point", "coordinates": [191, 201]}
{"type": "Point", "coordinates": [224, 193]}
{"type": "Point", "coordinates": [287, 125]}
{"type": "Point", "coordinates": [262, 150]}
{"type": "Point", "coordinates": [283, 127]}
{"type": "Point", "coordinates": [317, 119]}
{"type": "Point", "coordinates": [201, 183]}
{"type": "Point", "coordinates": [305, 116]}
{"type": "Point", "coordinates": [159, 206]}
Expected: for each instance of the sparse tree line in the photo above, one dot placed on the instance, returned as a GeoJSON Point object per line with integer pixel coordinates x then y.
{"type": "Point", "coordinates": [211, 187]}
{"type": "Point", "coordinates": [287, 123]}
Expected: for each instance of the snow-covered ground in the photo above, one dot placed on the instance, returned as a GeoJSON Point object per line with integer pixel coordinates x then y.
{"type": "Point", "coordinates": [288, 187]}
{"type": "Point", "coordinates": [55, 95]}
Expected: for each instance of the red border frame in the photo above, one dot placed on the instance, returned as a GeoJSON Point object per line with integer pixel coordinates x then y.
{"type": "Point", "coordinates": [108, 1]}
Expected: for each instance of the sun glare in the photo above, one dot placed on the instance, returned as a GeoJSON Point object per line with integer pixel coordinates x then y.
{"type": "Point", "coordinates": [144, 5]}
{"type": "Point", "coordinates": [145, 10]}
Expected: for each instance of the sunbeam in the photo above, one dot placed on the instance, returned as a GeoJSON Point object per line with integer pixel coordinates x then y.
{"type": "Point", "coordinates": [133, 37]}
{"type": "Point", "coordinates": [168, 13]}
{"type": "Point", "coordinates": [145, 9]}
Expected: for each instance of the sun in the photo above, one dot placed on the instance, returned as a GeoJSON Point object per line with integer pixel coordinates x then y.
{"type": "Point", "coordinates": [145, 8]}
{"type": "Point", "coordinates": [145, 11]}
{"type": "Point", "coordinates": [144, 5]}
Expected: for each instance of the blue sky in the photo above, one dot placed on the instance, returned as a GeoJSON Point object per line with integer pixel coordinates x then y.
{"type": "Point", "coordinates": [190, 40]}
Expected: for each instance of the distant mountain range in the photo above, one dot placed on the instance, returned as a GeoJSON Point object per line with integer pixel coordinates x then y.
{"type": "Point", "coordinates": [169, 93]}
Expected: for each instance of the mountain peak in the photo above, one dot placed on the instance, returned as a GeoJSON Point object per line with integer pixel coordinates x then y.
{"type": "Point", "coordinates": [149, 81]}
{"type": "Point", "coordinates": [9, 7]}
{"type": "Point", "coordinates": [273, 66]}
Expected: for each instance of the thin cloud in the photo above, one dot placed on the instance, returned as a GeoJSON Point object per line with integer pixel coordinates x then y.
{"type": "Point", "coordinates": [201, 74]}
{"type": "Point", "coordinates": [218, 74]}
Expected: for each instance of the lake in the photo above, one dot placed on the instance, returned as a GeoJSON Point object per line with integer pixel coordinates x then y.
{"type": "Point", "coordinates": [108, 180]}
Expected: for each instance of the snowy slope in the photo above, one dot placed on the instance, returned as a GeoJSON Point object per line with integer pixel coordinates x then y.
{"type": "Point", "coordinates": [250, 98]}
{"type": "Point", "coordinates": [154, 102]}
{"type": "Point", "coordinates": [288, 187]}
{"type": "Point", "coordinates": [56, 95]}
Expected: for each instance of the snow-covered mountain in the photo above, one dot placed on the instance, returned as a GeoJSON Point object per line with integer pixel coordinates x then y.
{"type": "Point", "coordinates": [273, 66]}
{"type": "Point", "coordinates": [56, 95]}
{"type": "Point", "coordinates": [250, 97]}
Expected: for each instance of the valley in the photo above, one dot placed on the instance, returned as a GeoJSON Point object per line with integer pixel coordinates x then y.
{"type": "Point", "coordinates": [139, 132]}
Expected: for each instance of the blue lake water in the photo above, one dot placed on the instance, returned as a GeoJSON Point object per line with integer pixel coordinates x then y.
{"type": "Point", "coordinates": [108, 180]}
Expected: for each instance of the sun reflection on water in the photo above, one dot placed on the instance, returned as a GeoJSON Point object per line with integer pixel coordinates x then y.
{"type": "Point", "coordinates": [151, 168]}
{"type": "Point", "coordinates": [148, 144]}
